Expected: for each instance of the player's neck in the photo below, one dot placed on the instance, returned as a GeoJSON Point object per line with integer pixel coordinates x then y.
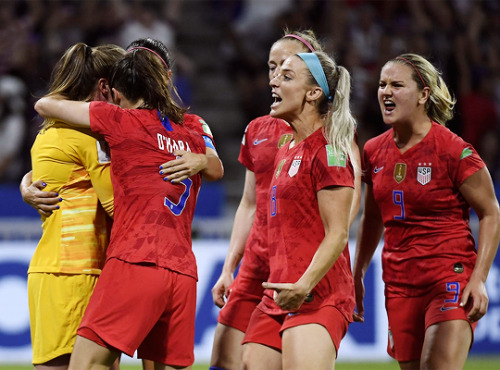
{"type": "Point", "coordinates": [407, 136]}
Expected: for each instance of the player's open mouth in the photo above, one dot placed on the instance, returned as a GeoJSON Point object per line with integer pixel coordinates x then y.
{"type": "Point", "coordinates": [389, 106]}
{"type": "Point", "coordinates": [277, 100]}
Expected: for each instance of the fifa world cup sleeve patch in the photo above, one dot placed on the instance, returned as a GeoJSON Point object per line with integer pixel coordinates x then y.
{"type": "Point", "coordinates": [206, 128]}
{"type": "Point", "coordinates": [334, 158]}
{"type": "Point", "coordinates": [465, 153]}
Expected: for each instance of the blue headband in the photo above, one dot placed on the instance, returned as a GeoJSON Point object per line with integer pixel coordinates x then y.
{"type": "Point", "coordinates": [314, 65]}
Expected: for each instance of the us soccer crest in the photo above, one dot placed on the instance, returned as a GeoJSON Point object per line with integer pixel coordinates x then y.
{"type": "Point", "coordinates": [424, 173]}
{"type": "Point", "coordinates": [399, 172]}
{"type": "Point", "coordinates": [294, 167]}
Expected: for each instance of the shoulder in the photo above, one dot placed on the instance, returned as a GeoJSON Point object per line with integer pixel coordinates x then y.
{"type": "Point", "coordinates": [197, 123]}
{"type": "Point", "coordinates": [65, 132]}
{"type": "Point", "coordinates": [266, 121]}
{"type": "Point", "coordinates": [449, 142]}
{"type": "Point", "coordinates": [316, 144]}
{"type": "Point", "coordinates": [383, 140]}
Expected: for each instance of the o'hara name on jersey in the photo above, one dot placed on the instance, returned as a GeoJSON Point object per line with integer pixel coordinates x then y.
{"type": "Point", "coordinates": [171, 145]}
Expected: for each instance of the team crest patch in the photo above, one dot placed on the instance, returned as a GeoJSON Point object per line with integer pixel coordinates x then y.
{"type": "Point", "coordinates": [399, 172]}
{"type": "Point", "coordinates": [334, 158]}
{"type": "Point", "coordinates": [280, 167]}
{"type": "Point", "coordinates": [284, 139]}
{"type": "Point", "coordinates": [465, 153]}
{"type": "Point", "coordinates": [294, 167]}
{"type": "Point", "coordinates": [424, 173]}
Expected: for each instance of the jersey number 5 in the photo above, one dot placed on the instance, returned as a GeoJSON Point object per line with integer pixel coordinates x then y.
{"type": "Point", "coordinates": [177, 208]}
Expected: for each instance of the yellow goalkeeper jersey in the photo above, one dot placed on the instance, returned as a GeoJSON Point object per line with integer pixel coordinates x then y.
{"type": "Point", "coordinates": [76, 164]}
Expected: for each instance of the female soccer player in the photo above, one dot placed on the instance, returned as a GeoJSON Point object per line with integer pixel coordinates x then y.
{"type": "Point", "coordinates": [421, 182]}
{"type": "Point", "coordinates": [72, 250]}
{"type": "Point", "coordinates": [262, 139]}
{"type": "Point", "coordinates": [309, 294]}
{"type": "Point", "coordinates": [145, 296]}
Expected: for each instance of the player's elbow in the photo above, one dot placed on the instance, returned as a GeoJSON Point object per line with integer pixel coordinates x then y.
{"type": "Point", "coordinates": [215, 172]}
{"type": "Point", "coordinates": [40, 107]}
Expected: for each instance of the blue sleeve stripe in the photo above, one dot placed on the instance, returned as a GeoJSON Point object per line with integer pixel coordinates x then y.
{"type": "Point", "coordinates": [209, 143]}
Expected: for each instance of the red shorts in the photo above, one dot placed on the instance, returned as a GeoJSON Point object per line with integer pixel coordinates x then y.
{"type": "Point", "coordinates": [245, 294]}
{"type": "Point", "coordinates": [267, 329]}
{"type": "Point", "coordinates": [145, 308]}
{"type": "Point", "coordinates": [409, 317]}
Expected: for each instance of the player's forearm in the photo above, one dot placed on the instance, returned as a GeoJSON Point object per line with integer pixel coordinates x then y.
{"type": "Point", "coordinates": [242, 225]}
{"type": "Point", "coordinates": [74, 113]}
{"type": "Point", "coordinates": [369, 235]}
{"type": "Point", "coordinates": [327, 253]}
{"type": "Point", "coordinates": [488, 240]}
{"type": "Point", "coordinates": [214, 170]}
{"type": "Point", "coordinates": [25, 183]}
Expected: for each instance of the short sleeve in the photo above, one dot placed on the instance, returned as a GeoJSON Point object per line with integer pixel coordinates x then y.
{"type": "Point", "coordinates": [331, 169]}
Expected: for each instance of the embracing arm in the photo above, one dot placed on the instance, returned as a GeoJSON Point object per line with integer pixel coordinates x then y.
{"type": "Point", "coordinates": [334, 207]}
{"type": "Point", "coordinates": [370, 231]}
{"type": "Point", "coordinates": [242, 225]}
{"type": "Point", "coordinates": [43, 201]}
{"type": "Point", "coordinates": [214, 170]}
{"type": "Point", "coordinates": [188, 164]}
{"type": "Point", "coordinates": [75, 113]}
{"type": "Point", "coordinates": [478, 191]}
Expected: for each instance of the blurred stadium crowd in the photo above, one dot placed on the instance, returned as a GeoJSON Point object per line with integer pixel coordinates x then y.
{"type": "Point", "coordinates": [221, 49]}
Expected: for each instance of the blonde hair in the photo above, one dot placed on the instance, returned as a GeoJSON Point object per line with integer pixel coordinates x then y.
{"type": "Point", "coordinates": [340, 126]}
{"type": "Point", "coordinates": [440, 105]}
{"type": "Point", "coordinates": [76, 74]}
{"type": "Point", "coordinates": [306, 35]}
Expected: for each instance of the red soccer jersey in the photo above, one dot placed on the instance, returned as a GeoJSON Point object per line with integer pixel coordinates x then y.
{"type": "Point", "coordinates": [152, 222]}
{"type": "Point", "coordinates": [263, 137]}
{"type": "Point", "coordinates": [295, 225]}
{"type": "Point", "coordinates": [425, 217]}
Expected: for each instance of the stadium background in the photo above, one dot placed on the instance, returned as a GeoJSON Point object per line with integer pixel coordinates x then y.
{"type": "Point", "coordinates": [221, 52]}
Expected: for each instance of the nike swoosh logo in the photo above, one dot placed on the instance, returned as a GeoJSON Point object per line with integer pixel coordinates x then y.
{"type": "Point", "coordinates": [257, 142]}
{"type": "Point", "coordinates": [378, 169]}
{"type": "Point", "coordinates": [447, 308]}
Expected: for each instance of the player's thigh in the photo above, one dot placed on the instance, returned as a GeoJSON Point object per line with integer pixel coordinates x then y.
{"type": "Point", "coordinates": [227, 348]}
{"type": "Point", "coordinates": [260, 357]}
{"type": "Point", "coordinates": [308, 347]}
{"type": "Point", "coordinates": [446, 342]}
{"type": "Point", "coordinates": [90, 355]}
